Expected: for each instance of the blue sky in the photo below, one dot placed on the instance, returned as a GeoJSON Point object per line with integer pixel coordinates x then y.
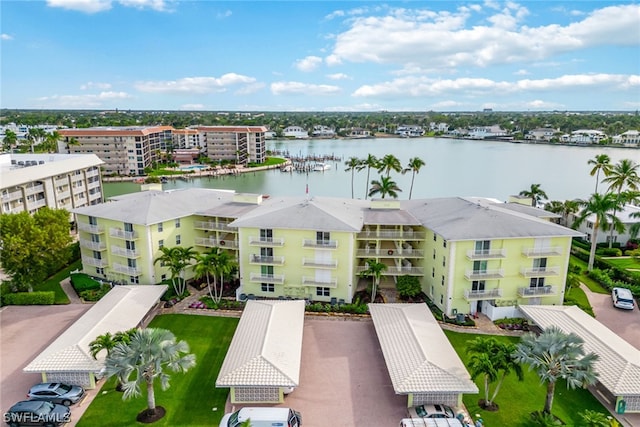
{"type": "Point", "coordinates": [320, 56]}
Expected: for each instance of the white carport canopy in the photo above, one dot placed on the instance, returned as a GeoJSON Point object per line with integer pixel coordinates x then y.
{"type": "Point", "coordinates": [122, 308]}
{"type": "Point", "coordinates": [266, 348]}
{"type": "Point", "coordinates": [419, 357]}
{"type": "Point", "coordinates": [618, 365]}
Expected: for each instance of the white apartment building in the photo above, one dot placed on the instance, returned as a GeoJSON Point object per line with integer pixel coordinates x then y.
{"type": "Point", "coordinates": [29, 182]}
{"type": "Point", "coordinates": [124, 150]}
{"type": "Point", "coordinates": [186, 138]}
{"type": "Point", "coordinates": [238, 144]}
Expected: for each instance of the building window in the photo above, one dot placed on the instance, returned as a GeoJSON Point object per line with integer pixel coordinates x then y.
{"type": "Point", "coordinates": [178, 223]}
{"type": "Point", "coordinates": [93, 220]}
{"type": "Point", "coordinates": [266, 235]}
{"type": "Point", "coordinates": [323, 292]}
{"type": "Point", "coordinates": [160, 244]}
{"type": "Point", "coordinates": [134, 280]}
{"type": "Point", "coordinates": [442, 281]}
{"type": "Point", "coordinates": [479, 266]}
{"type": "Point", "coordinates": [323, 237]}
{"type": "Point", "coordinates": [99, 270]}
{"type": "Point", "coordinates": [482, 247]}
{"type": "Point", "coordinates": [536, 282]}
{"type": "Point", "coordinates": [441, 300]}
{"type": "Point", "coordinates": [433, 272]}
{"type": "Point", "coordinates": [160, 227]}
{"type": "Point", "coordinates": [97, 255]}
{"type": "Point", "coordinates": [432, 290]}
{"type": "Point", "coordinates": [434, 254]}
{"type": "Point", "coordinates": [128, 227]}
{"type": "Point", "coordinates": [540, 264]}
{"type": "Point", "coordinates": [444, 243]}
{"type": "Point", "coordinates": [163, 277]}
{"type": "Point", "coordinates": [267, 287]}
{"type": "Point", "coordinates": [435, 238]}
{"type": "Point", "coordinates": [477, 285]}
{"type": "Point", "coordinates": [178, 239]}
{"type": "Point", "coordinates": [444, 261]}
{"type": "Point", "coordinates": [266, 270]}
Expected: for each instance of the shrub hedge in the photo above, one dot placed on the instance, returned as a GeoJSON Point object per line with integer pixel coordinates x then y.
{"type": "Point", "coordinates": [29, 298]}
{"type": "Point", "coordinates": [83, 282]}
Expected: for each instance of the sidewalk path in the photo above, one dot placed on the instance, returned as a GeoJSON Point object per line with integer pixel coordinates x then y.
{"type": "Point", "coordinates": [71, 293]}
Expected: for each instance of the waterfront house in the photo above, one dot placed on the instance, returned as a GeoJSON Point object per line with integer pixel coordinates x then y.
{"type": "Point", "coordinates": [541, 134]}
{"type": "Point", "coordinates": [296, 132]}
{"type": "Point", "coordinates": [630, 138]}
{"type": "Point", "coordinates": [584, 136]}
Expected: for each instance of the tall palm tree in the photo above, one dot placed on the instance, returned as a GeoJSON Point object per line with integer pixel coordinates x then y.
{"type": "Point", "coordinates": [602, 207]}
{"type": "Point", "coordinates": [535, 193]}
{"type": "Point", "coordinates": [176, 259]}
{"type": "Point", "coordinates": [385, 186]}
{"type": "Point", "coordinates": [225, 265]}
{"type": "Point", "coordinates": [206, 267]}
{"type": "Point", "coordinates": [369, 162]}
{"type": "Point", "coordinates": [50, 143]}
{"type": "Point", "coordinates": [554, 355]}
{"type": "Point", "coordinates": [144, 359]}
{"type": "Point", "coordinates": [35, 136]}
{"type": "Point", "coordinates": [414, 166]}
{"type": "Point", "coordinates": [374, 270]}
{"type": "Point", "coordinates": [601, 162]}
{"type": "Point", "coordinates": [10, 140]}
{"type": "Point", "coordinates": [566, 209]}
{"type": "Point", "coordinates": [353, 164]}
{"type": "Point", "coordinates": [389, 163]}
{"type": "Point", "coordinates": [623, 175]}
{"type": "Point", "coordinates": [492, 360]}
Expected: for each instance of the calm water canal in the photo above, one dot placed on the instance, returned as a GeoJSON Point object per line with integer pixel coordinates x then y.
{"type": "Point", "coordinates": [453, 168]}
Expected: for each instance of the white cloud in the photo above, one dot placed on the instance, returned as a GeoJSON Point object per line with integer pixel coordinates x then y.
{"type": "Point", "coordinates": [86, 6]}
{"type": "Point", "coordinates": [5, 36]}
{"type": "Point", "coordinates": [157, 5]}
{"type": "Point", "coordinates": [95, 85]}
{"type": "Point", "coordinates": [423, 38]}
{"type": "Point", "coordinates": [308, 63]}
{"type": "Point", "coordinates": [298, 88]}
{"type": "Point", "coordinates": [413, 86]}
{"type": "Point", "coordinates": [196, 85]}
{"type": "Point", "coordinates": [338, 76]}
{"type": "Point", "coordinates": [193, 107]}
{"type": "Point", "coordinates": [85, 101]}
{"type": "Point", "coordinates": [521, 72]}
{"type": "Point", "coordinates": [225, 14]}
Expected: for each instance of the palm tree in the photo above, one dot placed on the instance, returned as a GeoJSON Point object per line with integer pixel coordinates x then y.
{"type": "Point", "coordinates": [388, 163]}
{"type": "Point", "coordinates": [177, 259]}
{"type": "Point", "coordinates": [206, 267]}
{"type": "Point", "coordinates": [225, 266]}
{"type": "Point", "coordinates": [10, 140]}
{"type": "Point", "coordinates": [492, 360]}
{"type": "Point", "coordinates": [566, 209]}
{"type": "Point", "coordinates": [623, 175]}
{"type": "Point", "coordinates": [35, 136]}
{"type": "Point", "coordinates": [353, 164]}
{"type": "Point", "coordinates": [602, 162]}
{"type": "Point", "coordinates": [369, 162]}
{"type": "Point", "coordinates": [601, 206]}
{"type": "Point", "coordinates": [50, 143]}
{"type": "Point", "coordinates": [144, 359]}
{"type": "Point", "coordinates": [105, 342]}
{"type": "Point", "coordinates": [374, 270]}
{"type": "Point", "coordinates": [385, 186]}
{"type": "Point", "coordinates": [554, 355]}
{"type": "Point", "coordinates": [535, 193]}
{"type": "Point", "coordinates": [414, 165]}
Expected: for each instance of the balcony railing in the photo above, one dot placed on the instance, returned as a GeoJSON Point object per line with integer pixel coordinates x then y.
{"type": "Point", "coordinates": [94, 261]}
{"type": "Point", "coordinates": [35, 189]}
{"type": "Point", "coordinates": [125, 269]}
{"type": "Point", "coordinates": [314, 281]}
{"type": "Point", "coordinates": [267, 278]}
{"type": "Point", "coordinates": [484, 274]}
{"type": "Point", "coordinates": [121, 234]}
{"type": "Point", "coordinates": [320, 263]}
{"type": "Point", "coordinates": [11, 196]}
{"type": "Point", "coordinates": [37, 203]}
{"type": "Point", "coordinates": [89, 228]}
{"type": "Point", "coordinates": [392, 234]}
{"type": "Point", "coordinates": [216, 243]}
{"type": "Point", "coordinates": [395, 271]}
{"type": "Point", "coordinates": [212, 226]}
{"type": "Point", "coordinates": [119, 250]}
{"type": "Point", "coordinates": [63, 194]}
{"type": "Point", "coordinates": [540, 271]}
{"type": "Point", "coordinates": [312, 243]}
{"type": "Point", "coordinates": [268, 260]}
{"type": "Point", "coordinates": [486, 254]}
{"type": "Point", "coordinates": [96, 246]}
{"type": "Point", "coordinates": [473, 295]}
{"type": "Point", "coordinates": [405, 253]}
{"type": "Point", "coordinates": [547, 290]}
{"type": "Point", "coordinates": [266, 241]}
{"type": "Point", "coordinates": [542, 252]}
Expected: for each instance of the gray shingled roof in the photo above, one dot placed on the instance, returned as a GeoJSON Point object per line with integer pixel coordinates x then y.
{"type": "Point", "coordinates": [529, 210]}
{"type": "Point", "coordinates": [54, 164]}
{"type": "Point", "coordinates": [389, 217]}
{"type": "Point", "coordinates": [418, 355]}
{"type": "Point", "coordinates": [456, 218]}
{"type": "Point", "coordinates": [152, 207]}
{"type": "Point", "coordinates": [267, 346]}
{"type": "Point", "coordinates": [618, 366]}
{"type": "Point", "coordinates": [122, 308]}
{"type": "Point", "coordinates": [317, 213]}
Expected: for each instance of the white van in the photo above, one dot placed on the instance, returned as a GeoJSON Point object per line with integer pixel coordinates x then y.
{"type": "Point", "coordinates": [622, 298]}
{"type": "Point", "coordinates": [263, 417]}
{"type": "Point", "coordinates": [431, 422]}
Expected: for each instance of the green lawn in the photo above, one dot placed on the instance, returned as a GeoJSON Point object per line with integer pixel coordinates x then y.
{"type": "Point", "coordinates": [518, 399]}
{"type": "Point", "coordinates": [192, 396]}
{"type": "Point", "coordinates": [589, 282]}
{"type": "Point", "coordinates": [576, 296]}
{"type": "Point", "coordinates": [627, 263]}
{"type": "Point", "coordinates": [53, 283]}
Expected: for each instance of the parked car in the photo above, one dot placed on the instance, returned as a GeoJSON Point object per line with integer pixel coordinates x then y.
{"type": "Point", "coordinates": [37, 413]}
{"type": "Point", "coordinates": [263, 417]}
{"type": "Point", "coordinates": [60, 393]}
{"type": "Point", "coordinates": [622, 298]}
{"type": "Point", "coordinates": [431, 411]}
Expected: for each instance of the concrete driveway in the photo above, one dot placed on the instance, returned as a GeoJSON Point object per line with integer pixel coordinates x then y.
{"type": "Point", "coordinates": [343, 377]}
{"type": "Point", "coordinates": [625, 323]}
{"type": "Point", "coordinates": [24, 332]}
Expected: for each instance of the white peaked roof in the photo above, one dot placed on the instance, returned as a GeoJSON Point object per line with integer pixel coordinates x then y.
{"type": "Point", "coordinates": [618, 365]}
{"type": "Point", "coordinates": [418, 355]}
{"type": "Point", "coordinates": [122, 308]}
{"type": "Point", "coordinates": [267, 346]}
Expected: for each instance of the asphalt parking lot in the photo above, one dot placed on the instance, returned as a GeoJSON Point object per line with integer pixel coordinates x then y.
{"type": "Point", "coordinates": [625, 323]}
{"type": "Point", "coordinates": [26, 331]}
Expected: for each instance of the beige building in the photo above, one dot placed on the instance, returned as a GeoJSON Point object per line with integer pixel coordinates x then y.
{"type": "Point", "coordinates": [124, 150]}
{"type": "Point", "coordinates": [238, 144]}
{"type": "Point", "coordinates": [29, 182]}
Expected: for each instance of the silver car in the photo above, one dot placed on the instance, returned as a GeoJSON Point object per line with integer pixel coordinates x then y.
{"type": "Point", "coordinates": [59, 393]}
{"type": "Point", "coordinates": [431, 411]}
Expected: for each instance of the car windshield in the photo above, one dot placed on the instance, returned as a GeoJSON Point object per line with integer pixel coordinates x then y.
{"type": "Point", "coordinates": [64, 388]}
{"type": "Point", "coordinates": [44, 409]}
{"type": "Point", "coordinates": [421, 411]}
{"type": "Point", "coordinates": [625, 301]}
